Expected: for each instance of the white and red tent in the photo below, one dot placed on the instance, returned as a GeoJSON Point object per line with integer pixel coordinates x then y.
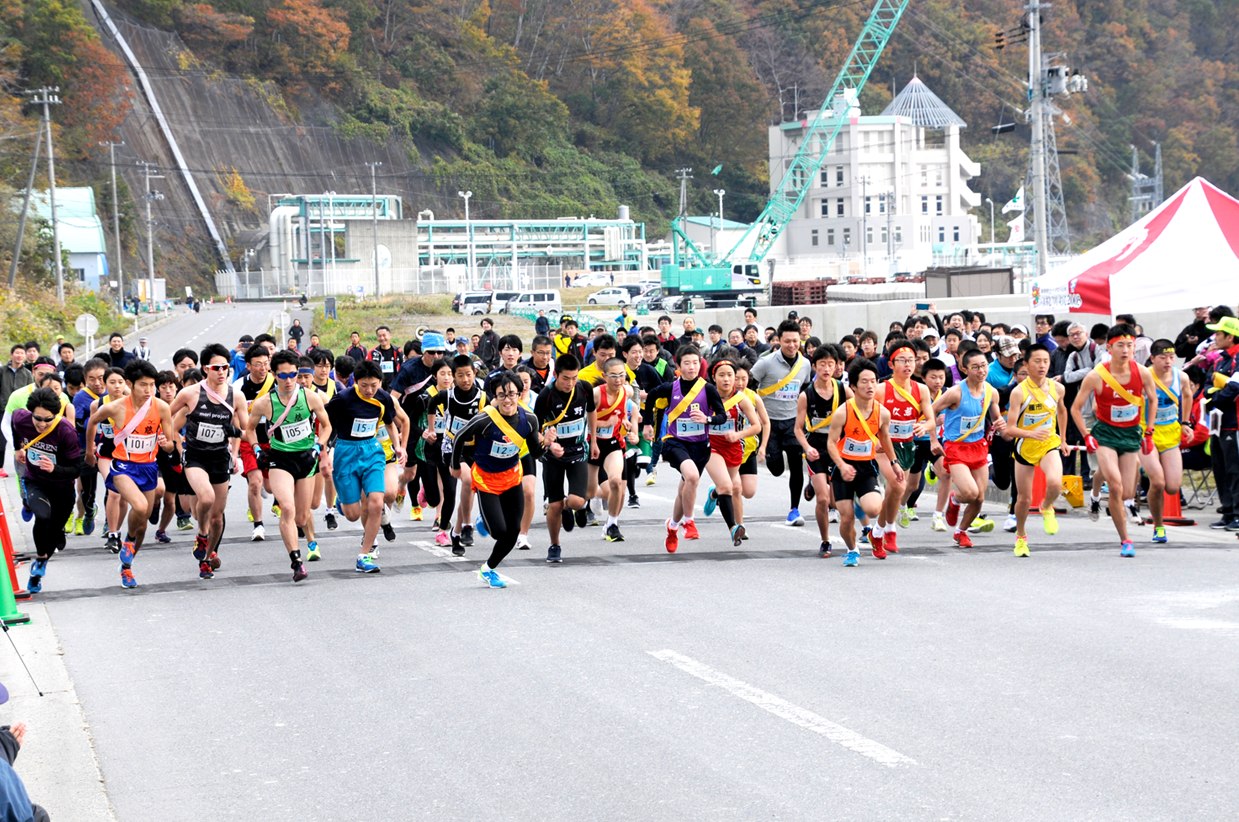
{"type": "Point", "coordinates": [1182, 254]}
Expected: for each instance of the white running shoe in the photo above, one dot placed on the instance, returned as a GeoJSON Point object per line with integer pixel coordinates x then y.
{"type": "Point", "coordinates": [833, 516]}
{"type": "Point", "coordinates": [939, 523]}
{"type": "Point", "coordinates": [1010, 525]}
{"type": "Point", "coordinates": [259, 533]}
{"type": "Point", "coordinates": [386, 518]}
{"type": "Point", "coordinates": [652, 478]}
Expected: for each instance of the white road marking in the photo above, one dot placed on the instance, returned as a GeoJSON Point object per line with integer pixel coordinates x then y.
{"type": "Point", "coordinates": [446, 553]}
{"type": "Point", "coordinates": [786, 710]}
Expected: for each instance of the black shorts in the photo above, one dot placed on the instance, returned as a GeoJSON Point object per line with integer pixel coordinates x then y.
{"type": "Point", "coordinates": [823, 464]}
{"type": "Point", "coordinates": [783, 437]}
{"type": "Point", "coordinates": [865, 482]}
{"type": "Point", "coordinates": [749, 466]}
{"type": "Point", "coordinates": [555, 472]}
{"type": "Point", "coordinates": [677, 452]}
{"type": "Point", "coordinates": [529, 465]}
{"type": "Point", "coordinates": [217, 464]}
{"type": "Point", "coordinates": [924, 457]}
{"type": "Point", "coordinates": [301, 464]}
{"type": "Point", "coordinates": [607, 447]}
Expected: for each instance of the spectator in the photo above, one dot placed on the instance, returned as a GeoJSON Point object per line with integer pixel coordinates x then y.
{"type": "Point", "coordinates": [1058, 355]}
{"type": "Point", "coordinates": [665, 338]}
{"type": "Point", "coordinates": [143, 351]}
{"type": "Point", "coordinates": [13, 375]}
{"type": "Point", "coordinates": [1002, 369]}
{"type": "Point", "coordinates": [66, 355]}
{"type": "Point", "coordinates": [690, 325]}
{"type": "Point", "coordinates": [116, 355]}
{"type": "Point", "coordinates": [542, 326]}
{"type": "Point", "coordinates": [1044, 324]}
{"type": "Point", "coordinates": [752, 339]}
{"type": "Point", "coordinates": [296, 332]}
{"type": "Point", "coordinates": [1221, 392]}
{"type": "Point", "coordinates": [15, 803]}
{"type": "Point", "coordinates": [314, 345]}
{"type": "Point", "coordinates": [985, 344]}
{"type": "Point", "coordinates": [355, 349]}
{"type": "Point", "coordinates": [1019, 331]}
{"type": "Point", "coordinates": [32, 353]}
{"type": "Point", "coordinates": [716, 340]}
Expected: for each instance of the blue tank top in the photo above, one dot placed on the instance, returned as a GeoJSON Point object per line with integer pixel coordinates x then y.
{"type": "Point", "coordinates": [965, 417]}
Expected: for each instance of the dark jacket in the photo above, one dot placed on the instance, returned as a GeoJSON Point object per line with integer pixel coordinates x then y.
{"type": "Point", "coordinates": [542, 325]}
{"type": "Point", "coordinates": [15, 803]}
{"type": "Point", "coordinates": [11, 380]}
{"type": "Point", "coordinates": [296, 332]}
{"type": "Point", "coordinates": [1223, 399]}
{"type": "Point", "coordinates": [1185, 348]}
{"type": "Point", "coordinates": [488, 348]}
{"type": "Point", "coordinates": [118, 359]}
{"type": "Point", "coordinates": [356, 352]}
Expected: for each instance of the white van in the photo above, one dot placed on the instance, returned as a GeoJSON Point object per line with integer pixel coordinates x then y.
{"type": "Point", "coordinates": [472, 302]}
{"type": "Point", "coordinates": [499, 300]}
{"type": "Point", "coordinates": [548, 301]}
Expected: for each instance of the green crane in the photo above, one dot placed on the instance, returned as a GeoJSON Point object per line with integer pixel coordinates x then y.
{"type": "Point", "coordinates": [728, 273]}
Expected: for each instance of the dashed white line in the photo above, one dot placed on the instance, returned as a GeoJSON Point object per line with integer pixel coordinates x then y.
{"type": "Point", "coordinates": [786, 710]}
{"type": "Point", "coordinates": [446, 553]}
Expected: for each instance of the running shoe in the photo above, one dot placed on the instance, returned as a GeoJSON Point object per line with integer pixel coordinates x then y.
{"type": "Point", "coordinates": [398, 505]}
{"type": "Point", "coordinates": [4, 474]}
{"type": "Point", "coordinates": [888, 543]}
{"type": "Point", "coordinates": [1021, 547]}
{"type": "Point", "coordinates": [1049, 521]}
{"type": "Point", "coordinates": [421, 497]}
{"type": "Point", "coordinates": [366, 564]}
{"type": "Point", "coordinates": [27, 514]}
{"type": "Point", "coordinates": [300, 573]}
{"type": "Point", "coordinates": [633, 501]}
{"type": "Point", "coordinates": [1133, 512]}
{"type": "Point", "coordinates": [851, 559]}
{"type": "Point", "coordinates": [939, 522]}
{"type": "Point", "coordinates": [794, 518]}
{"type": "Point", "coordinates": [1159, 534]}
{"type": "Point", "coordinates": [737, 534]}
{"type": "Point", "coordinates": [711, 502]}
{"type": "Point", "coordinates": [591, 518]}
{"type": "Point", "coordinates": [981, 525]}
{"type": "Point", "coordinates": [114, 543]}
{"type": "Point", "coordinates": [879, 553]}
{"type": "Point", "coordinates": [466, 535]}
{"type": "Point", "coordinates": [876, 541]}
{"type": "Point", "coordinates": [1009, 526]}
{"type": "Point", "coordinates": [823, 550]}
{"type": "Point", "coordinates": [905, 517]}
{"type": "Point", "coordinates": [1233, 525]}
{"type": "Point", "coordinates": [952, 512]}
{"type": "Point", "coordinates": [126, 552]}
{"type": "Point", "coordinates": [480, 525]}
{"type": "Point", "coordinates": [204, 570]}
{"type": "Point", "coordinates": [249, 514]}
{"type": "Point", "coordinates": [962, 540]}
{"type": "Point", "coordinates": [672, 542]}
{"type": "Point", "coordinates": [580, 517]}
{"type": "Point", "coordinates": [214, 561]}
{"type": "Point", "coordinates": [690, 530]}
{"type": "Point", "coordinates": [331, 521]}
{"type": "Point", "coordinates": [613, 533]}
{"type": "Point", "coordinates": [458, 547]}
{"type": "Point", "coordinates": [809, 492]}
{"type": "Point", "coordinates": [70, 523]}
{"type": "Point", "coordinates": [87, 526]}
{"type": "Point", "coordinates": [275, 508]}
{"type": "Point", "coordinates": [184, 524]}
{"type": "Point", "coordinates": [554, 554]}
{"type": "Point", "coordinates": [126, 578]}
{"type": "Point", "coordinates": [162, 537]}
{"type": "Point", "coordinates": [389, 533]}
{"type": "Point", "coordinates": [415, 513]}
{"type": "Point", "coordinates": [443, 539]}
{"type": "Point", "coordinates": [153, 519]}
{"type": "Point", "coordinates": [1126, 549]}
{"type": "Point", "coordinates": [546, 506]}
{"type": "Point", "coordinates": [311, 552]}
{"type": "Point", "coordinates": [864, 532]}
{"type": "Point", "coordinates": [259, 533]}
{"type": "Point", "coordinates": [38, 569]}
{"type": "Point", "coordinates": [1094, 509]}
{"type": "Point", "coordinates": [567, 519]}
{"type": "Point", "coordinates": [522, 542]}
{"type": "Point", "coordinates": [491, 578]}
{"type": "Point", "coordinates": [652, 478]}
{"type": "Point", "coordinates": [912, 517]}
{"type": "Point", "coordinates": [833, 516]}
{"type": "Point", "coordinates": [78, 527]}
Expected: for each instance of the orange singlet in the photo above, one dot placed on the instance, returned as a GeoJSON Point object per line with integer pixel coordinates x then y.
{"type": "Point", "coordinates": [139, 445]}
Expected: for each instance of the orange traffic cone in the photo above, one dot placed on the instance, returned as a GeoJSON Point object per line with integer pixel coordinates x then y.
{"type": "Point", "coordinates": [7, 540]}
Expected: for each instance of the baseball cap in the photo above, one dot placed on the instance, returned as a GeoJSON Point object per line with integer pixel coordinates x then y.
{"type": "Point", "coordinates": [930, 332]}
{"type": "Point", "coordinates": [1020, 327]}
{"type": "Point", "coordinates": [1007, 346]}
{"type": "Point", "coordinates": [434, 341]}
{"type": "Point", "coordinates": [1227, 325]}
{"type": "Point", "coordinates": [792, 315]}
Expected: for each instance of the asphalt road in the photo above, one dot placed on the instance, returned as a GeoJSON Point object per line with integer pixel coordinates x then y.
{"type": "Point", "coordinates": [627, 683]}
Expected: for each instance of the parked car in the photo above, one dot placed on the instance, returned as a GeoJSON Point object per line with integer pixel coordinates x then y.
{"type": "Point", "coordinates": [649, 297]}
{"type": "Point", "coordinates": [634, 289]}
{"type": "Point", "coordinates": [472, 302]}
{"type": "Point", "coordinates": [592, 279]}
{"type": "Point", "coordinates": [548, 301]}
{"type": "Point", "coordinates": [499, 300]}
{"type": "Point", "coordinates": [616, 295]}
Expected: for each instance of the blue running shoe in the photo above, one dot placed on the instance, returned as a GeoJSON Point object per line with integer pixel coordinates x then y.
{"type": "Point", "coordinates": [851, 559]}
{"type": "Point", "coordinates": [794, 518]}
{"type": "Point", "coordinates": [1127, 550]}
{"type": "Point", "coordinates": [367, 565]}
{"type": "Point", "coordinates": [1159, 534]}
{"type": "Point", "coordinates": [126, 578]}
{"type": "Point", "coordinates": [27, 514]}
{"type": "Point", "coordinates": [126, 552]}
{"type": "Point", "coordinates": [162, 537]}
{"type": "Point", "coordinates": [202, 545]}
{"type": "Point", "coordinates": [491, 578]}
{"type": "Point", "coordinates": [481, 527]}
{"type": "Point", "coordinates": [37, 571]}
{"type": "Point", "coordinates": [712, 503]}
{"type": "Point", "coordinates": [858, 511]}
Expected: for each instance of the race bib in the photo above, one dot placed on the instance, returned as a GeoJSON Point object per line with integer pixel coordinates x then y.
{"type": "Point", "coordinates": [605, 431]}
{"type": "Point", "coordinates": [1034, 420]}
{"type": "Point", "coordinates": [789, 392]}
{"type": "Point", "coordinates": [364, 428]}
{"type": "Point", "coordinates": [384, 435]}
{"type": "Point", "coordinates": [135, 444]}
{"type": "Point", "coordinates": [725, 428]}
{"type": "Point", "coordinates": [388, 366]}
{"type": "Point", "coordinates": [688, 428]}
{"type": "Point", "coordinates": [858, 448]}
{"type": "Point", "coordinates": [440, 424]}
{"type": "Point", "coordinates": [294, 431]}
{"type": "Point", "coordinates": [1124, 413]}
{"type": "Point", "coordinates": [43, 458]}
{"type": "Point", "coordinates": [966, 423]}
{"type": "Point", "coordinates": [570, 430]}
{"type": "Point", "coordinates": [457, 424]}
{"type": "Point", "coordinates": [105, 430]}
{"type": "Point", "coordinates": [901, 430]}
{"type": "Point", "coordinates": [1167, 414]}
{"type": "Point", "coordinates": [504, 450]}
{"type": "Point", "coordinates": [209, 433]}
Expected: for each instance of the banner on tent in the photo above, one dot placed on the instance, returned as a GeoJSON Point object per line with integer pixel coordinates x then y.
{"type": "Point", "coordinates": [1046, 300]}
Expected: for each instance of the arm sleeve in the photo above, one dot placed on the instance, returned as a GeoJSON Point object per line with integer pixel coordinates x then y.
{"type": "Point", "coordinates": [462, 452]}
{"type": "Point", "coordinates": [663, 391]}
{"type": "Point", "coordinates": [716, 405]}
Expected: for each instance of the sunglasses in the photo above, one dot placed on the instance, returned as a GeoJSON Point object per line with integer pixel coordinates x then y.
{"type": "Point", "coordinates": [37, 418]}
{"type": "Point", "coordinates": [287, 376]}
{"type": "Point", "coordinates": [220, 367]}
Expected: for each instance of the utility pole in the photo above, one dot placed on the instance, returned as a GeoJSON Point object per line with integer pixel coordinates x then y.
{"type": "Point", "coordinates": [685, 174]}
{"type": "Point", "coordinates": [864, 225]}
{"type": "Point", "coordinates": [49, 97]}
{"type": "Point", "coordinates": [1036, 94]}
{"type": "Point", "coordinates": [120, 265]}
{"type": "Point", "coordinates": [21, 222]}
{"type": "Point", "coordinates": [374, 199]}
{"type": "Point", "coordinates": [147, 176]}
{"type": "Point", "coordinates": [718, 192]}
{"type": "Point", "coordinates": [470, 273]}
{"type": "Point", "coordinates": [889, 199]}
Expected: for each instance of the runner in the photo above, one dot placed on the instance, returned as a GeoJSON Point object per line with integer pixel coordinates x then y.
{"type": "Point", "coordinates": [357, 462]}
{"type": "Point", "coordinates": [92, 388]}
{"type": "Point", "coordinates": [1037, 421]}
{"type": "Point", "coordinates": [326, 387]}
{"type": "Point", "coordinates": [611, 427]}
{"type": "Point", "coordinates": [1170, 425]}
{"type": "Point", "coordinates": [727, 444]}
{"type": "Point", "coordinates": [565, 410]}
{"type": "Point", "coordinates": [45, 443]}
{"type": "Point", "coordinates": [968, 407]}
{"type": "Point", "coordinates": [113, 506]}
{"type": "Point", "coordinates": [930, 462]}
{"type": "Point", "coordinates": [1123, 429]}
{"type": "Point", "coordinates": [172, 485]}
{"type": "Point", "coordinates": [137, 420]}
{"type": "Point", "coordinates": [748, 468]}
{"type": "Point", "coordinates": [779, 376]}
{"type": "Point", "coordinates": [686, 443]}
{"type": "Point", "coordinates": [529, 465]}
{"type": "Point", "coordinates": [815, 409]}
{"type": "Point", "coordinates": [540, 360]}
{"type": "Point", "coordinates": [857, 429]}
{"type": "Point", "coordinates": [295, 415]}
{"type": "Point", "coordinates": [647, 379]}
{"type": "Point", "coordinates": [458, 404]}
{"type": "Point", "coordinates": [490, 446]}
{"type": "Point", "coordinates": [258, 383]}
{"type": "Point", "coordinates": [651, 354]}
{"type": "Point", "coordinates": [911, 413]}
{"type": "Point", "coordinates": [438, 485]}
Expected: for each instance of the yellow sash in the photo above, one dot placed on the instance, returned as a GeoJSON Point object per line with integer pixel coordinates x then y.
{"type": "Point", "coordinates": [1109, 380]}
{"type": "Point", "coordinates": [765, 392]}
{"type": "Point", "coordinates": [623, 395]}
{"type": "Point", "coordinates": [984, 409]}
{"type": "Point", "coordinates": [510, 432]}
{"type": "Point", "coordinates": [1038, 395]}
{"type": "Point", "coordinates": [266, 389]}
{"type": "Point", "coordinates": [920, 414]}
{"type": "Point", "coordinates": [682, 406]}
{"type": "Point", "coordinates": [564, 412]}
{"type": "Point", "coordinates": [864, 426]}
{"type": "Point", "coordinates": [50, 428]}
{"type": "Point", "coordinates": [814, 426]}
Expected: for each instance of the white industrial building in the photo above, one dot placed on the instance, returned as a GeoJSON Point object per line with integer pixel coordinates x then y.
{"type": "Point", "coordinates": [891, 196]}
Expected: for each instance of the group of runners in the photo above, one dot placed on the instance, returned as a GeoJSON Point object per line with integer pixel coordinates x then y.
{"type": "Point", "coordinates": [462, 444]}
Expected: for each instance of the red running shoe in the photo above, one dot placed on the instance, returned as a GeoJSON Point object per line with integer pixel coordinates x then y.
{"type": "Point", "coordinates": [877, 542]}
{"type": "Point", "coordinates": [962, 540]}
{"type": "Point", "coordinates": [879, 552]}
{"type": "Point", "coordinates": [952, 511]}
{"type": "Point", "coordinates": [888, 543]}
{"type": "Point", "coordinates": [673, 538]}
{"type": "Point", "coordinates": [690, 530]}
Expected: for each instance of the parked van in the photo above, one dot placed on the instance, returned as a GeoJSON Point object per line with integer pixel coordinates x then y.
{"type": "Point", "coordinates": [499, 300]}
{"type": "Point", "coordinates": [548, 301]}
{"type": "Point", "coordinates": [472, 302]}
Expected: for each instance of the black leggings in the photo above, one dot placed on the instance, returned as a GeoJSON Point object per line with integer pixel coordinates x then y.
{"type": "Point", "coordinates": [502, 514]}
{"type": "Point", "coordinates": [432, 490]}
{"type": "Point", "coordinates": [51, 506]}
{"type": "Point", "coordinates": [1003, 469]}
{"type": "Point", "coordinates": [783, 439]}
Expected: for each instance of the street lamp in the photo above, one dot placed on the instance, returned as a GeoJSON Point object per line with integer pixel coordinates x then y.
{"type": "Point", "coordinates": [718, 192]}
{"type": "Point", "coordinates": [991, 221]}
{"type": "Point", "coordinates": [468, 237]}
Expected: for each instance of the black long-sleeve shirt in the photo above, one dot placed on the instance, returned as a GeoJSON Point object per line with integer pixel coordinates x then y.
{"type": "Point", "coordinates": [654, 411]}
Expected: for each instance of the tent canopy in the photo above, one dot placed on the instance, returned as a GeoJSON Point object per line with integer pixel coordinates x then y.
{"type": "Point", "coordinates": [1182, 254]}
